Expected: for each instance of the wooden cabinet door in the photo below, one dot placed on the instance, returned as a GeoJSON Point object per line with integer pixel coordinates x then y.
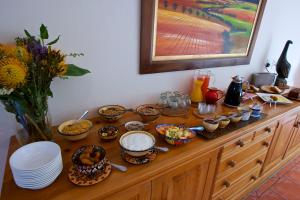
{"type": "Point", "coordinates": [189, 180]}
{"type": "Point", "coordinates": [280, 142]}
{"type": "Point", "coordinates": [137, 192]}
{"type": "Point", "coordinates": [295, 140]}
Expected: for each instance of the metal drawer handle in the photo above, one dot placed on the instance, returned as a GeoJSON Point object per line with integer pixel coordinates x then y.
{"type": "Point", "coordinates": [227, 184]}
{"type": "Point", "coordinates": [231, 163]}
{"type": "Point", "coordinates": [268, 129]}
{"type": "Point", "coordinates": [253, 178]}
{"type": "Point", "coordinates": [240, 143]}
{"type": "Point", "coordinates": [266, 144]}
{"type": "Point", "coordinates": [259, 161]}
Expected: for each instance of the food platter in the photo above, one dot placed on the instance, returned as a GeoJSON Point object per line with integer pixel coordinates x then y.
{"type": "Point", "coordinates": [274, 98]}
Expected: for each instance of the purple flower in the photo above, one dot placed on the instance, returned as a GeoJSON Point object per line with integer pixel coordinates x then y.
{"type": "Point", "coordinates": [37, 50]}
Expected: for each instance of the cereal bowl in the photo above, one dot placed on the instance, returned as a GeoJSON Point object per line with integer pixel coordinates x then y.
{"type": "Point", "coordinates": [111, 113]}
{"type": "Point", "coordinates": [137, 143]}
{"type": "Point", "coordinates": [74, 130]}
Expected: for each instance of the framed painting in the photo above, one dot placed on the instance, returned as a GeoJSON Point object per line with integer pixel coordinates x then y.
{"type": "Point", "coordinates": [192, 34]}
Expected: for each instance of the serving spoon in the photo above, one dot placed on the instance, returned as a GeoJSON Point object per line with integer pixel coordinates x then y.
{"type": "Point", "coordinates": [121, 168]}
{"type": "Point", "coordinates": [83, 115]}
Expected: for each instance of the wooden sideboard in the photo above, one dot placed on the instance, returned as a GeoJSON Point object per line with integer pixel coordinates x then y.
{"type": "Point", "coordinates": [228, 167]}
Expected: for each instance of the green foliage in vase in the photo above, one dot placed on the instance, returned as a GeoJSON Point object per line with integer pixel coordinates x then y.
{"type": "Point", "coordinates": [26, 72]}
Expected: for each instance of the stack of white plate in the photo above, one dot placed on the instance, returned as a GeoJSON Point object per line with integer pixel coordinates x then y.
{"type": "Point", "coordinates": [36, 165]}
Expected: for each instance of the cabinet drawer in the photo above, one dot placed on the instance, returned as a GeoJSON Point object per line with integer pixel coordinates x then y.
{"type": "Point", "coordinates": [238, 173]}
{"type": "Point", "coordinates": [228, 165]}
{"type": "Point", "coordinates": [265, 131]}
{"type": "Point", "coordinates": [237, 145]}
{"type": "Point", "coordinates": [232, 189]}
{"type": "Point", "coordinates": [247, 140]}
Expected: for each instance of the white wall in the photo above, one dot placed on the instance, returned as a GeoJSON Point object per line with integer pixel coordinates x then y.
{"type": "Point", "coordinates": [108, 33]}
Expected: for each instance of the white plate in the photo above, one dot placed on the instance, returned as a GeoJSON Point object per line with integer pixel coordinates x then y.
{"type": "Point", "coordinates": [36, 176]}
{"type": "Point", "coordinates": [267, 98]}
{"type": "Point", "coordinates": [38, 186]}
{"type": "Point", "coordinates": [34, 156]}
{"type": "Point", "coordinates": [41, 181]}
{"type": "Point", "coordinates": [43, 170]}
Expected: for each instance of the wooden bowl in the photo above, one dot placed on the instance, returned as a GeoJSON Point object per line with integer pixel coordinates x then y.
{"type": "Point", "coordinates": [74, 136]}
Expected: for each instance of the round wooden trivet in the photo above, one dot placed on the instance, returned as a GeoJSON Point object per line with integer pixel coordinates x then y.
{"type": "Point", "coordinates": [139, 160]}
{"type": "Point", "coordinates": [84, 180]}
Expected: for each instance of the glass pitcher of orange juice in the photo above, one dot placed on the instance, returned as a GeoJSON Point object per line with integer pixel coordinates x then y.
{"type": "Point", "coordinates": [201, 81]}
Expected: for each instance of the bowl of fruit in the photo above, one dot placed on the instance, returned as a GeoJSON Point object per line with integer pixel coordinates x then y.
{"type": "Point", "coordinates": [174, 134]}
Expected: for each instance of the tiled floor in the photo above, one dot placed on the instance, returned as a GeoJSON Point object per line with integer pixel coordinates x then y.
{"type": "Point", "coordinates": [284, 185]}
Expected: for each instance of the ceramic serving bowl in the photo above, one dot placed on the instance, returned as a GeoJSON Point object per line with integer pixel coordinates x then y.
{"type": "Point", "coordinates": [132, 143]}
{"type": "Point", "coordinates": [148, 112]}
{"type": "Point", "coordinates": [162, 128]}
{"type": "Point", "coordinates": [89, 169]}
{"type": "Point", "coordinates": [108, 133]}
{"type": "Point", "coordinates": [78, 135]}
{"type": "Point", "coordinates": [210, 125]}
{"type": "Point", "coordinates": [111, 113]}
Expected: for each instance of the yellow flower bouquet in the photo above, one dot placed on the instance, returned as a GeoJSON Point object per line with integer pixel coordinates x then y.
{"type": "Point", "coordinates": [26, 72]}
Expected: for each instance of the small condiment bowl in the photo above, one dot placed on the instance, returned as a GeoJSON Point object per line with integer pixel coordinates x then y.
{"type": "Point", "coordinates": [136, 153]}
{"type": "Point", "coordinates": [236, 118]}
{"type": "Point", "coordinates": [148, 112]}
{"type": "Point", "coordinates": [89, 169]}
{"type": "Point", "coordinates": [134, 126]}
{"type": "Point", "coordinates": [210, 125]}
{"type": "Point", "coordinates": [113, 117]}
{"type": "Point", "coordinates": [108, 133]}
{"type": "Point", "coordinates": [224, 123]}
{"type": "Point", "coordinates": [75, 136]}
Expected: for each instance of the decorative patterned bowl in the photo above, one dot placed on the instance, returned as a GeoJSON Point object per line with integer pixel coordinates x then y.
{"type": "Point", "coordinates": [111, 113]}
{"type": "Point", "coordinates": [108, 133]}
{"type": "Point", "coordinates": [148, 112]}
{"type": "Point", "coordinates": [161, 129]}
{"type": "Point", "coordinates": [89, 169]}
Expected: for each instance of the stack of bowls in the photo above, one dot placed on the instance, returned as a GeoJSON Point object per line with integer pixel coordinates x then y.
{"type": "Point", "coordinates": [36, 165]}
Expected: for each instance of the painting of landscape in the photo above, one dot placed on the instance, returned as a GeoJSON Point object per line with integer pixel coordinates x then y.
{"type": "Point", "coordinates": [185, 29]}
